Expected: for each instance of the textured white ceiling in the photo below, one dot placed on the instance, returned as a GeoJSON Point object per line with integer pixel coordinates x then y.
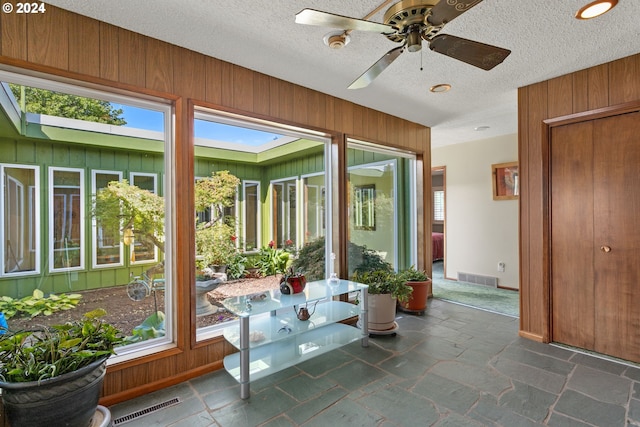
{"type": "Point", "coordinates": [545, 39]}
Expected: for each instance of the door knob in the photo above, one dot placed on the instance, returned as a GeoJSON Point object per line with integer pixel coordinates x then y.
{"type": "Point", "coordinates": [605, 249]}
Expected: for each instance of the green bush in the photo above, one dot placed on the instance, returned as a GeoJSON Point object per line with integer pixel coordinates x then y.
{"type": "Point", "coordinates": [236, 266]}
{"type": "Point", "coordinates": [215, 243]}
{"type": "Point", "coordinates": [272, 261]}
{"type": "Point", "coordinates": [311, 259]}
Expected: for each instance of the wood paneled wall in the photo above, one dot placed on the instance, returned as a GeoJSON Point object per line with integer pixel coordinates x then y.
{"type": "Point", "coordinates": [585, 92]}
{"type": "Point", "coordinates": [68, 45]}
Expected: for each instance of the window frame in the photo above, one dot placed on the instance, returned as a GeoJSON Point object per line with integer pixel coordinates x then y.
{"type": "Point", "coordinates": [51, 214]}
{"type": "Point", "coordinates": [34, 235]}
{"type": "Point", "coordinates": [435, 190]}
{"type": "Point", "coordinates": [258, 224]}
{"type": "Point", "coordinates": [411, 194]}
{"type": "Point", "coordinates": [165, 137]}
{"type": "Point", "coordinates": [132, 177]}
{"type": "Point", "coordinates": [286, 184]}
{"type": "Point", "coordinates": [265, 218]}
{"type": "Point", "coordinates": [321, 211]}
{"type": "Point", "coordinates": [94, 224]}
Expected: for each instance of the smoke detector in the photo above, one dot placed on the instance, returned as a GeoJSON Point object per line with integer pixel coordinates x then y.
{"type": "Point", "coordinates": [337, 40]}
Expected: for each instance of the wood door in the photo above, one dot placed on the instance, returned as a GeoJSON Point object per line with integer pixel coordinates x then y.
{"type": "Point", "coordinates": [595, 235]}
{"type": "Point", "coordinates": [572, 287]}
{"type": "Point", "coordinates": [617, 226]}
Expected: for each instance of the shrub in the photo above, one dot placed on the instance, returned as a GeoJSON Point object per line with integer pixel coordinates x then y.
{"type": "Point", "coordinates": [311, 259]}
{"type": "Point", "coordinates": [272, 261]}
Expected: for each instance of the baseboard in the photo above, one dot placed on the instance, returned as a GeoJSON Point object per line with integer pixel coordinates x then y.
{"type": "Point", "coordinates": [531, 336]}
{"type": "Point", "coordinates": [508, 288]}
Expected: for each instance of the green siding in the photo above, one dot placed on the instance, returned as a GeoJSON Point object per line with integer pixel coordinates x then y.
{"type": "Point", "coordinates": [291, 161]}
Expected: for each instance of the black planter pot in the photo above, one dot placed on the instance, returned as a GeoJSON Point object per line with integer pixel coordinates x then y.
{"type": "Point", "coordinates": [69, 400]}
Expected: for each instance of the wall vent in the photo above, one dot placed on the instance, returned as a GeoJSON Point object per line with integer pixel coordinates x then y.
{"type": "Point", "coordinates": [146, 411]}
{"type": "Point", "coordinates": [478, 279]}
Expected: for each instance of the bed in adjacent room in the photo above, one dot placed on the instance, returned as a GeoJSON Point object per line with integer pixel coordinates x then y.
{"type": "Point", "coordinates": [437, 240]}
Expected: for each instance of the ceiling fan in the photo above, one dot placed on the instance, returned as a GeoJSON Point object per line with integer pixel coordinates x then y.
{"type": "Point", "coordinates": [409, 22]}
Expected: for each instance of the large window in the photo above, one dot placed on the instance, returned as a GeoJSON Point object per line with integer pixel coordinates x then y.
{"type": "Point", "coordinates": [66, 216]}
{"type": "Point", "coordinates": [382, 209]}
{"type": "Point", "coordinates": [91, 217]}
{"type": "Point", "coordinates": [20, 212]}
{"type": "Point", "coordinates": [272, 165]}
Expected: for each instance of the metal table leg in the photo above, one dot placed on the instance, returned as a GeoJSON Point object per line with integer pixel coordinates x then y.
{"type": "Point", "coordinates": [244, 357]}
{"type": "Point", "coordinates": [364, 314]}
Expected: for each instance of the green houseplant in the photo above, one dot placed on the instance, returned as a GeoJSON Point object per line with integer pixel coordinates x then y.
{"type": "Point", "coordinates": [53, 376]}
{"type": "Point", "coordinates": [385, 289]}
{"type": "Point", "coordinates": [419, 281]}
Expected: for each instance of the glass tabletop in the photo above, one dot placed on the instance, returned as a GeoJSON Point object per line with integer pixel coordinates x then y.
{"type": "Point", "coordinates": [266, 301]}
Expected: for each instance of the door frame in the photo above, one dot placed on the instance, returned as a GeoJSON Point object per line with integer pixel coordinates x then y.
{"type": "Point", "coordinates": [444, 221]}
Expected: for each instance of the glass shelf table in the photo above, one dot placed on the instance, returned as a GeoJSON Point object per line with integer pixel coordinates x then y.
{"type": "Point", "coordinates": [270, 337]}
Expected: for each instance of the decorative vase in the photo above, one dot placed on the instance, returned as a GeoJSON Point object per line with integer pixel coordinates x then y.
{"type": "Point", "coordinates": [382, 312]}
{"type": "Point", "coordinates": [293, 285]}
{"type": "Point", "coordinates": [69, 400]}
{"type": "Point", "coordinates": [418, 300]}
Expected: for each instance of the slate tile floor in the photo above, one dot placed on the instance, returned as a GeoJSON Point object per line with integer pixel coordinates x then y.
{"type": "Point", "coordinates": [454, 366]}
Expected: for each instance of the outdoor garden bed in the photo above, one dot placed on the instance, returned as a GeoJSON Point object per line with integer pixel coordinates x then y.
{"type": "Point", "coordinates": [126, 314]}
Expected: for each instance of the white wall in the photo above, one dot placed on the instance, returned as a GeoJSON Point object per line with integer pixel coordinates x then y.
{"type": "Point", "coordinates": [480, 232]}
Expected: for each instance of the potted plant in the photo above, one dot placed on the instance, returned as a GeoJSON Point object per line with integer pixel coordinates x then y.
{"type": "Point", "coordinates": [385, 289]}
{"type": "Point", "coordinates": [53, 376]}
{"type": "Point", "coordinates": [421, 285]}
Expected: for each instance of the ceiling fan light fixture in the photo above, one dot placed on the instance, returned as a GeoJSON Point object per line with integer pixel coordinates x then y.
{"type": "Point", "coordinates": [595, 9]}
{"type": "Point", "coordinates": [441, 88]}
{"type": "Point", "coordinates": [414, 40]}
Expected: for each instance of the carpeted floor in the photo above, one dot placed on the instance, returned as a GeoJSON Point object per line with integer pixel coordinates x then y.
{"type": "Point", "coordinates": [484, 297]}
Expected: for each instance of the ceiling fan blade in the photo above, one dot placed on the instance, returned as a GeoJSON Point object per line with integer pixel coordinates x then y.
{"type": "Point", "coordinates": [377, 68]}
{"type": "Point", "coordinates": [474, 53]}
{"type": "Point", "coordinates": [325, 19]}
{"type": "Point", "coordinates": [448, 10]}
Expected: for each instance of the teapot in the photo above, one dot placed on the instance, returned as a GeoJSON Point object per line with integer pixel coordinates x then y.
{"type": "Point", "coordinates": [303, 312]}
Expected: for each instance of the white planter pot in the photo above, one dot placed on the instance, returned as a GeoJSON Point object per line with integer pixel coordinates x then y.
{"type": "Point", "coordinates": [382, 312]}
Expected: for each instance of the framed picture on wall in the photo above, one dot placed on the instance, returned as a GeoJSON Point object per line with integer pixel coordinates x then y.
{"type": "Point", "coordinates": [505, 181]}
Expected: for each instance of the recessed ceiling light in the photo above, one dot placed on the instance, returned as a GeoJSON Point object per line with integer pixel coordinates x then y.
{"type": "Point", "coordinates": [481, 128]}
{"type": "Point", "coordinates": [596, 8]}
{"type": "Point", "coordinates": [441, 88]}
